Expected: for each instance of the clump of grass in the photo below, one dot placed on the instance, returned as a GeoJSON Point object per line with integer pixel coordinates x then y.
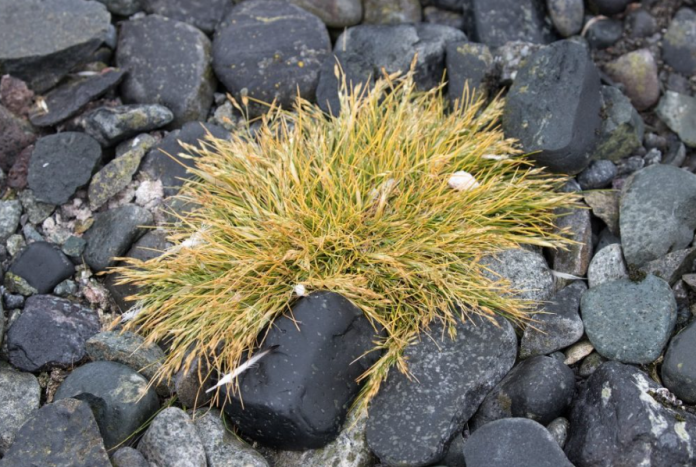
{"type": "Point", "coordinates": [358, 204]}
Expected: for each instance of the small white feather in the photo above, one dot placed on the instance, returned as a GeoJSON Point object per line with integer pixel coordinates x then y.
{"type": "Point", "coordinates": [462, 181]}
{"type": "Point", "coordinates": [300, 290]}
{"type": "Point", "coordinates": [132, 313]}
{"type": "Point", "coordinates": [563, 275]}
{"type": "Point", "coordinates": [228, 378]}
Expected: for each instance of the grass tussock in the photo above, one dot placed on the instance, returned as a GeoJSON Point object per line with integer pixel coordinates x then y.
{"type": "Point", "coordinates": [359, 204]}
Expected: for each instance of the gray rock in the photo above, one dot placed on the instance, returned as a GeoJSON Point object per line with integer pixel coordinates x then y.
{"type": "Point", "coordinates": [672, 266]}
{"type": "Point", "coordinates": [20, 395]}
{"type": "Point", "coordinates": [629, 321]}
{"type": "Point", "coordinates": [391, 11]}
{"type": "Point", "coordinates": [172, 440]}
{"type": "Point", "coordinates": [62, 433]}
{"type": "Point", "coordinates": [657, 213]}
{"type": "Point", "coordinates": [168, 63]}
{"type": "Point", "coordinates": [270, 50]}
{"type": "Point", "coordinates": [605, 206]}
{"type": "Point", "coordinates": [119, 397]}
{"type": "Point", "coordinates": [678, 111]}
{"type": "Point", "coordinates": [16, 135]}
{"type": "Point", "coordinates": [558, 327]}
{"type": "Point", "coordinates": [67, 100]}
{"type": "Point", "coordinates": [122, 7]}
{"type": "Point", "coordinates": [335, 13]}
{"type": "Point", "coordinates": [222, 448]}
{"type": "Point", "coordinates": [590, 364]}
{"type": "Point", "coordinates": [190, 388]}
{"type": "Point", "coordinates": [468, 65]}
{"type": "Point", "coordinates": [554, 107]}
{"type": "Point", "coordinates": [599, 174]}
{"type": "Point", "coordinates": [111, 125]}
{"type": "Point", "coordinates": [453, 19]}
{"type": "Point", "coordinates": [412, 421]}
{"type": "Point", "coordinates": [604, 33]}
{"type": "Point", "coordinates": [575, 258]}
{"type": "Point", "coordinates": [114, 177]}
{"type": "Point", "coordinates": [496, 22]}
{"type": "Point", "coordinates": [66, 289]}
{"type": "Point", "coordinates": [74, 247]}
{"type": "Point", "coordinates": [10, 212]}
{"type": "Point", "coordinates": [622, 129]}
{"type": "Point", "coordinates": [62, 163]}
{"type": "Point", "coordinates": [510, 58]}
{"type": "Point", "coordinates": [637, 71]}
{"type": "Point", "coordinates": [129, 457]}
{"type": "Point", "coordinates": [559, 430]}
{"type": "Point", "coordinates": [40, 42]}
{"type": "Point", "coordinates": [35, 209]}
{"type": "Point", "coordinates": [608, 7]}
{"type": "Point", "coordinates": [640, 23]}
{"type": "Point", "coordinates": [679, 42]}
{"type": "Point", "coordinates": [567, 15]}
{"type": "Point", "coordinates": [203, 14]}
{"type": "Point", "coordinates": [617, 421]}
{"type": "Point", "coordinates": [514, 441]}
{"type": "Point", "coordinates": [43, 266]}
{"type": "Point", "coordinates": [607, 265]}
{"type": "Point", "coordinates": [112, 234]}
{"type": "Point", "coordinates": [539, 388]}
{"type": "Point", "coordinates": [50, 332]}
{"type": "Point", "coordinates": [527, 271]}
{"type": "Point", "coordinates": [679, 367]}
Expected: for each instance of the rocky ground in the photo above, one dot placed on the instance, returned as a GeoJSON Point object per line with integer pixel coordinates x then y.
{"type": "Point", "coordinates": [95, 94]}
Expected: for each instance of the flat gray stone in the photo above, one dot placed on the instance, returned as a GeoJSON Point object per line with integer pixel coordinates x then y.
{"type": "Point", "coordinates": [114, 177]}
{"type": "Point", "coordinates": [678, 111]}
{"type": "Point", "coordinates": [527, 271]}
{"type": "Point", "coordinates": [575, 258]}
{"type": "Point", "coordinates": [20, 395]}
{"type": "Point", "coordinates": [172, 439]}
{"type": "Point", "coordinates": [111, 125]}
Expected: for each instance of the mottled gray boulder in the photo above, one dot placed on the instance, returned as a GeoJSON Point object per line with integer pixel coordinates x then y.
{"type": "Point", "coordinates": [554, 107]}
{"type": "Point", "coordinates": [168, 63]}
{"type": "Point", "coordinates": [679, 42]}
{"type": "Point", "coordinates": [496, 22]}
{"type": "Point", "coordinates": [203, 14]}
{"type": "Point", "coordinates": [622, 127]}
{"type": "Point", "coordinates": [413, 421]}
{"type": "Point", "coordinates": [657, 213]}
{"type": "Point", "coordinates": [567, 15]}
{"type": "Point", "coordinates": [43, 266]}
{"type": "Point", "coordinates": [111, 125]}
{"type": "Point", "coordinates": [616, 421]}
{"type": "Point", "coordinates": [679, 366]}
{"type": "Point", "coordinates": [607, 265]}
{"type": "Point", "coordinates": [637, 71]}
{"type": "Point", "coordinates": [119, 397]}
{"type": "Point", "coordinates": [270, 50]}
{"type": "Point", "coordinates": [469, 65]}
{"type": "Point", "coordinates": [19, 398]}
{"type": "Point", "coordinates": [40, 42]}
{"type": "Point", "coordinates": [172, 439]}
{"type": "Point", "coordinates": [678, 111]}
{"type": "Point", "coordinates": [629, 321]}
{"type": "Point", "coordinates": [527, 271]}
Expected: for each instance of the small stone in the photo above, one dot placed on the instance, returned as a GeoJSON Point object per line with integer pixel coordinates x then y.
{"type": "Point", "coordinates": [605, 205]}
{"type": "Point", "coordinates": [679, 368]}
{"type": "Point", "coordinates": [567, 16]}
{"type": "Point", "coordinates": [13, 302]}
{"type": "Point", "coordinates": [111, 125]}
{"type": "Point", "coordinates": [527, 271]}
{"type": "Point", "coordinates": [599, 174]}
{"type": "Point", "coordinates": [672, 266]}
{"type": "Point", "coordinates": [678, 111]}
{"type": "Point", "coordinates": [391, 12]}
{"type": "Point", "coordinates": [590, 364]}
{"type": "Point", "coordinates": [203, 14]}
{"type": "Point", "coordinates": [172, 439]}
{"type": "Point", "coordinates": [16, 135]}
{"type": "Point", "coordinates": [604, 33]}
{"type": "Point", "coordinates": [622, 128]}
{"type": "Point", "coordinates": [510, 58]}
{"type": "Point", "coordinates": [607, 265]}
{"type": "Point", "coordinates": [559, 430]}
{"type": "Point", "coordinates": [497, 22]}
{"type": "Point", "coordinates": [640, 24]}
{"type": "Point", "coordinates": [608, 7]}
{"type": "Point", "coordinates": [10, 212]}
{"type": "Point", "coordinates": [17, 176]}
{"type": "Point", "coordinates": [469, 65]}
{"type": "Point", "coordinates": [19, 398]}
{"type": "Point", "coordinates": [143, 142]}
{"type": "Point", "coordinates": [189, 388]}
{"type": "Point", "coordinates": [66, 289]}
{"type": "Point", "coordinates": [575, 258]}
{"type": "Point", "coordinates": [15, 95]}
{"type": "Point", "coordinates": [637, 71]}
{"type": "Point", "coordinates": [335, 13]}
{"type": "Point", "coordinates": [15, 244]}
{"type": "Point", "coordinates": [452, 19]}
{"type": "Point", "coordinates": [577, 352]}
{"type": "Point", "coordinates": [36, 210]}
{"type": "Point", "coordinates": [129, 457]}
{"type": "Point", "coordinates": [18, 285]}
{"type": "Point", "coordinates": [74, 246]}
{"type": "Point", "coordinates": [114, 177]}
{"type": "Point", "coordinates": [43, 266]}
{"type": "Point", "coordinates": [679, 42]}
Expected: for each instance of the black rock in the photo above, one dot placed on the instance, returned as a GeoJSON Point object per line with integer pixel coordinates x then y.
{"type": "Point", "coordinates": [640, 23]}
{"type": "Point", "coordinates": [168, 63]}
{"type": "Point", "coordinates": [679, 43]}
{"type": "Point", "coordinates": [599, 174]}
{"type": "Point", "coordinates": [413, 421]}
{"type": "Point", "coordinates": [497, 22]}
{"type": "Point", "coordinates": [62, 163]}
{"type": "Point", "coordinates": [158, 162]}
{"type": "Point", "coordinates": [679, 366]}
{"type": "Point", "coordinates": [604, 33]}
{"type": "Point", "coordinates": [62, 433]}
{"type": "Point", "coordinates": [298, 396]}
{"type": "Point", "coordinates": [468, 64]}
{"type": "Point", "coordinates": [111, 125]}
{"type": "Point", "coordinates": [40, 42]}
{"type": "Point", "coordinates": [50, 332]}
{"type": "Point", "coordinates": [112, 234]}
{"type": "Point", "coordinates": [16, 135]}
{"type": "Point", "coordinates": [270, 50]}
{"type": "Point", "coordinates": [608, 7]}
{"type": "Point", "coordinates": [617, 421]}
{"type": "Point", "coordinates": [204, 14]}
{"type": "Point", "coordinates": [554, 107]}
{"type": "Point", "coordinates": [514, 442]}
{"type": "Point", "coordinates": [70, 98]}
{"type": "Point", "coordinates": [119, 397]}
{"type": "Point", "coordinates": [43, 266]}
{"type": "Point", "coordinates": [539, 388]}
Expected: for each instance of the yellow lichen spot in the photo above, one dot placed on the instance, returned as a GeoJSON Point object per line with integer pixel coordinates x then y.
{"type": "Point", "coordinates": [300, 64]}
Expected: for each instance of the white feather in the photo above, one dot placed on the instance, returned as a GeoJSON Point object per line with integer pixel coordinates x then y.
{"type": "Point", "coordinates": [228, 378]}
{"type": "Point", "coordinates": [563, 275]}
{"type": "Point", "coordinates": [462, 181]}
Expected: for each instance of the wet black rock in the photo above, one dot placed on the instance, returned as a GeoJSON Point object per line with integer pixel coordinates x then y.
{"type": "Point", "coordinates": [679, 366]}
{"type": "Point", "coordinates": [608, 7]}
{"type": "Point", "coordinates": [679, 44]}
{"type": "Point", "coordinates": [468, 64]}
{"type": "Point", "coordinates": [298, 396]}
{"type": "Point", "coordinates": [604, 33]}
{"type": "Point", "coordinates": [413, 421]}
{"type": "Point", "coordinates": [554, 107]}
{"type": "Point", "coordinates": [204, 14]}
{"type": "Point", "coordinates": [43, 266]}
{"type": "Point", "coordinates": [496, 22]}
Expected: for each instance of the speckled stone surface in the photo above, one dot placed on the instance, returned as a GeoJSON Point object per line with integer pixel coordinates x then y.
{"type": "Point", "coordinates": [19, 397]}
{"type": "Point", "coordinates": [679, 366]}
{"type": "Point", "coordinates": [412, 422]}
{"type": "Point", "coordinates": [172, 440]}
{"type": "Point", "coordinates": [527, 271]}
{"type": "Point", "coordinates": [607, 265]}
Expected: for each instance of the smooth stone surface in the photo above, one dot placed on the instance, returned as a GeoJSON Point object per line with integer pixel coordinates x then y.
{"type": "Point", "coordinates": [50, 332]}
{"type": "Point", "coordinates": [172, 440]}
{"type": "Point", "coordinates": [496, 22]}
{"type": "Point", "coordinates": [559, 430]}
{"type": "Point", "coordinates": [554, 107]}
{"type": "Point", "coordinates": [672, 266]}
{"type": "Point", "coordinates": [391, 11]}
{"type": "Point", "coordinates": [43, 266]}
{"type": "Point", "coordinates": [657, 213]}
{"type": "Point", "coordinates": [558, 327]}
{"type": "Point", "coordinates": [622, 129]}
{"type": "Point", "coordinates": [128, 457]}
{"type": "Point", "coordinates": [679, 42]}
{"type": "Point", "coordinates": [540, 388]}
{"type": "Point", "coordinates": [576, 257]}
{"type": "Point", "coordinates": [270, 50]}
{"type": "Point", "coordinates": [203, 14]}
{"type": "Point", "coordinates": [616, 420]}
{"type": "Point", "coordinates": [678, 111]}
{"type": "Point", "coordinates": [168, 63]}
{"type": "Point", "coordinates": [607, 265]}
{"type": "Point", "coordinates": [10, 213]}
{"type": "Point", "coordinates": [599, 174]}
{"type": "Point", "coordinates": [112, 234]}
{"type": "Point", "coordinates": [469, 65]}
{"type": "Point", "coordinates": [413, 421]}
{"type": "Point", "coordinates": [111, 125]}
{"type": "Point", "coordinates": [679, 366]}
{"type": "Point", "coordinates": [604, 33]}
{"type": "Point", "coordinates": [58, 434]}
{"type": "Point", "coordinates": [335, 13]}
{"type": "Point", "coordinates": [527, 271]}
{"type": "Point", "coordinates": [62, 163]}
{"type": "Point", "coordinates": [114, 177]}
{"type": "Point", "coordinates": [118, 396]}
{"type": "Point", "coordinates": [627, 321]}
{"type": "Point", "coordinates": [40, 42]}
{"type": "Point", "coordinates": [20, 395]}
{"type": "Point", "coordinates": [299, 394]}
{"type": "Point", "coordinates": [605, 206]}
{"type": "Point", "coordinates": [637, 71]}
{"type": "Point", "coordinates": [567, 16]}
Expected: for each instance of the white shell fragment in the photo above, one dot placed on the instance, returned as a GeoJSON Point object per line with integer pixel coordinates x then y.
{"type": "Point", "coordinates": [462, 181]}
{"type": "Point", "coordinates": [300, 290]}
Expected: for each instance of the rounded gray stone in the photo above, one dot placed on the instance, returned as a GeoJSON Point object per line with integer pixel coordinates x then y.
{"type": "Point", "coordinates": [637, 71]}
{"type": "Point", "coordinates": [20, 395]}
{"type": "Point", "coordinates": [679, 42]}
{"type": "Point", "coordinates": [679, 366]}
{"type": "Point", "coordinates": [172, 439]}
{"type": "Point", "coordinates": [567, 15]}
{"type": "Point", "coordinates": [678, 111]}
{"type": "Point", "coordinates": [607, 265]}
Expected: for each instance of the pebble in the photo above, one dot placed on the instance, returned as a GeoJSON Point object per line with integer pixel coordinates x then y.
{"type": "Point", "coordinates": [575, 258]}
{"type": "Point", "coordinates": [527, 271]}
{"type": "Point", "coordinates": [42, 266]}
{"type": "Point", "coordinates": [672, 266]}
{"type": "Point", "coordinates": [74, 247]}
{"type": "Point", "coordinates": [678, 111]}
{"type": "Point", "coordinates": [19, 398]}
{"type": "Point", "coordinates": [577, 352]}
{"type": "Point", "coordinates": [66, 289]}
{"type": "Point", "coordinates": [10, 212]}
{"type": "Point", "coordinates": [559, 430]}
{"type": "Point", "coordinates": [203, 14]}
{"type": "Point", "coordinates": [679, 42]}
{"type": "Point", "coordinates": [637, 72]}
{"type": "Point", "coordinates": [469, 65]}
{"type": "Point", "coordinates": [608, 7]}
{"type": "Point", "coordinates": [391, 12]}
{"type": "Point", "coordinates": [189, 388]}
{"type": "Point", "coordinates": [128, 457]}
{"type": "Point", "coordinates": [567, 16]}
{"type": "Point", "coordinates": [36, 210]}
{"type": "Point", "coordinates": [604, 33]}
{"type": "Point", "coordinates": [640, 24]}
{"type": "Point", "coordinates": [590, 364]}
{"type": "Point", "coordinates": [679, 367]}
{"type": "Point", "coordinates": [607, 265]}
{"type": "Point", "coordinates": [15, 137]}
{"type": "Point", "coordinates": [599, 174]}
{"type": "Point", "coordinates": [627, 321]}
{"type": "Point", "coordinates": [436, 15]}
{"type": "Point", "coordinates": [111, 125]}
{"type": "Point", "coordinates": [335, 13]}
{"type": "Point", "coordinates": [114, 177]}
{"type": "Point", "coordinates": [122, 7]}
{"type": "Point", "coordinates": [497, 22]}
{"type": "Point", "coordinates": [172, 439]}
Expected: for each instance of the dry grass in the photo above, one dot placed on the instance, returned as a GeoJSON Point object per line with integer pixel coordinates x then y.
{"type": "Point", "coordinates": [358, 204]}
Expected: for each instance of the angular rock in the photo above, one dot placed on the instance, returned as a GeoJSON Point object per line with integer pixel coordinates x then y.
{"type": "Point", "coordinates": [567, 15]}
{"type": "Point", "coordinates": [172, 439]}
{"type": "Point", "coordinates": [599, 174]}
{"type": "Point", "coordinates": [36, 210]}
{"type": "Point", "coordinates": [412, 421]}
{"type": "Point", "coordinates": [270, 50]}
{"type": "Point", "coordinates": [554, 107]}
{"type": "Point", "coordinates": [514, 441]}
{"type": "Point", "coordinates": [672, 266]}
{"type": "Point", "coordinates": [452, 19]}
{"type": "Point", "coordinates": [558, 327]}
{"type": "Point", "coordinates": [319, 362]}
{"type": "Point", "coordinates": [576, 258]}
{"type": "Point", "coordinates": [496, 22]}
{"type": "Point", "coordinates": [203, 14]}
{"type": "Point", "coordinates": [119, 397]}
{"type": "Point", "coordinates": [629, 321]}
{"type": "Point", "coordinates": [15, 136]}
{"type": "Point", "coordinates": [69, 99]}
{"type": "Point", "coordinates": [43, 266]}
{"type": "Point", "coordinates": [679, 42]}
{"type": "Point", "coordinates": [637, 71]}
{"type": "Point", "coordinates": [605, 205]}
{"type": "Point", "coordinates": [391, 11]}
{"type": "Point", "coordinates": [62, 163]}
{"type": "Point", "coordinates": [616, 421]}
{"type": "Point", "coordinates": [527, 271]}
{"type": "Point", "coordinates": [678, 111]}
{"type": "Point", "coordinates": [679, 366]}
{"type": "Point", "coordinates": [50, 332]}
{"type": "Point", "coordinates": [622, 128]}
{"type": "Point", "coordinates": [657, 213]}
{"type": "Point", "coordinates": [334, 13]}
{"type": "Point", "coordinates": [114, 177]}
{"type": "Point", "coordinates": [15, 95]}
{"type": "Point", "coordinates": [468, 65]}
{"type": "Point", "coordinates": [129, 457]}
{"type": "Point", "coordinates": [607, 265]}
{"type": "Point", "coordinates": [20, 395]}
{"type": "Point", "coordinates": [40, 42]}
{"type": "Point", "coordinates": [111, 125]}
{"type": "Point", "coordinates": [168, 63]}
{"type": "Point", "coordinates": [62, 433]}
{"type": "Point", "coordinates": [112, 234]}
{"type": "Point", "coordinates": [10, 213]}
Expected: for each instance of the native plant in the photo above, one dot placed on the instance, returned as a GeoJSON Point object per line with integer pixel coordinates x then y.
{"type": "Point", "coordinates": [391, 204]}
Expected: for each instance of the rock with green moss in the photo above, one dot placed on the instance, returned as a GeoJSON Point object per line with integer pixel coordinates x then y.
{"type": "Point", "coordinates": [637, 71]}
{"type": "Point", "coordinates": [622, 127]}
{"type": "Point", "coordinates": [392, 12]}
{"type": "Point", "coordinates": [111, 125]}
{"type": "Point", "coordinates": [114, 177]}
{"type": "Point", "coordinates": [468, 64]}
{"type": "Point", "coordinates": [16, 284]}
